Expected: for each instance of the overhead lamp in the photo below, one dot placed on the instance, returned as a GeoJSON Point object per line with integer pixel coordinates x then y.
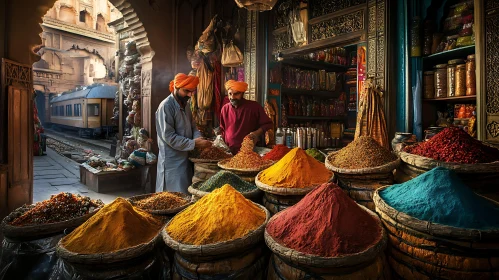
{"type": "Point", "coordinates": [256, 5]}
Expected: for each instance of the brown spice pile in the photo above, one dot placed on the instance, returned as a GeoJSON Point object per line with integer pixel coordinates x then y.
{"type": "Point", "coordinates": [363, 152]}
{"type": "Point", "coordinates": [59, 208]}
{"type": "Point", "coordinates": [213, 153]}
{"type": "Point", "coordinates": [246, 158]}
{"type": "Point", "coordinates": [161, 201]}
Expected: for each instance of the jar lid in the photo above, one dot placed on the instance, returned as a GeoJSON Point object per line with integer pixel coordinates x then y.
{"type": "Point", "coordinates": [471, 57]}
{"type": "Point", "coordinates": [456, 61]}
{"type": "Point", "coordinates": [429, 72]}
{"type": "Point", "coordinates": [461, 66]}
{"type": "Point", "coordinates": [439, 66]}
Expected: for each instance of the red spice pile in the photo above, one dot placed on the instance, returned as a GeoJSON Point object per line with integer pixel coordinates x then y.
{"type": "Point", "coordinates": [454, 145]}
{"type": "Point", "coordinates": [326, 223]}
{"type": "Point", "coordinates": [278, 152]}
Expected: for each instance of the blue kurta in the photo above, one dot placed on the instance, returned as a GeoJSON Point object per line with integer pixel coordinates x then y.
{"type": "Point", "coordinates": [176, 130]}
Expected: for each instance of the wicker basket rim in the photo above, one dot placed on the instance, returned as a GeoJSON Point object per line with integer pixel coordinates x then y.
{"type": "Point", "coordinates": [136, 198]}
{"type": "Point", "coordinates": [194, 189]}
{"type": "Point", "coordinates": [284, 191]}
{"type": "Point", "coordinates": [217, 248]}
{"type": "Point", "coordinates": [388, 167]}
{"type": "Point", "coordinates": [345, 260]}
{"type": "Point", "coordinates": [427, 226]}
{"type": "Point", "coordinates": [202, 160]}
{"type": "Point", "coordinates": [43, 229]}
{"type": "Point", "coordinates": [109, 257]}
{"type": "Point", "coordinates": [222, 163]}
{"type": "Point", "coordinates": [431, 163]}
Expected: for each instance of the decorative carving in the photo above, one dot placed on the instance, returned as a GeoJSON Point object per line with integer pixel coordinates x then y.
{"type": "Point", "coordinates": [493, 129]}
{"type": "Point", "coordinates": [380, 54]}
{"type": "Point", "coordinates": [146, 82]}
{"type": "Point", "coordinates": [371, 56]}
{"type": "Point", "coordinates": [380, 16]}
{"type": "Point", "coordinates": [283, 41]}
{"type": "Point", "coordinates": [281, 12]}
{"type": "Point", "coordinates": [492, 60]}
{"type": "Point", "coordinates": [250, 54]}
{"type": "Point", "coordinates": [372, 20]}
{"type": "Point", "coordinates": [17, 73]}
{"type": "Point", "coordinates": [324, 7]}
{"type": "Point", "coordinates": [338, 26]}
{"type": "Point", "coordinates": [491, 4]}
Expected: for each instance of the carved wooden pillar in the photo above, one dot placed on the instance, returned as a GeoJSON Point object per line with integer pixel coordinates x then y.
{"type": "Point", "coordinates": [250, 55]}
{"type": "Point", "coordinates": [376, 42]}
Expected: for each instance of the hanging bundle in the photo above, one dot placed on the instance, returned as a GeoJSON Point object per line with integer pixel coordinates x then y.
{"type": "Point", "coordinates": [204, 94]}
{"type": "Point", "coordinates": [231, 55]}
{"type": "Point", "coordinates": [371, 119]}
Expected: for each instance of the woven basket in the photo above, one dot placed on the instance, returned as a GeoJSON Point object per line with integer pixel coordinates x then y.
{"type": "Point", "coordinates": [386, 168]}
{"type": "Point", "coordinates": [283, 191]}
{"type": "Point", "coordinates": [194, 190]}
{"type": "Point", "coordinates": [276, 203]}
{"type": "Point", "coordinates": [32, 231]}
{"type": "Point", "coordinates": [133, 200]}
{"type": "Point", "coordinates": [111, 257]}
{"type": "Point", "coordinates": [425, 163]}
{"type": "Point", "coordinates": [202, 160]}
{"type": "Point", "coordinates": [303, 259]}
{"type": "Point", "coordinates": [433, 229]}
{"type": "Point", "coordinates": [217, 250]}
{"type": "Point", "coordinates": [244, 171]}
{"type": "Point", "coordinates": [361, 187]}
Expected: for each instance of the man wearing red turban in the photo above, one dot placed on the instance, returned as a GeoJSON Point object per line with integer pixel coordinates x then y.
{"type": "Point", "coordinates": [177, 135]}
{"type": "Point", "coordinates": [241, 117]}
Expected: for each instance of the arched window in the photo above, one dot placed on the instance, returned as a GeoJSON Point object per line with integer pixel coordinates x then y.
{"type": "Point", "coordinates": [83, 15]}
{"type": "Point", "coordinates": [67, 14]}
{"type": "Point", "coordinates": [101, 23]}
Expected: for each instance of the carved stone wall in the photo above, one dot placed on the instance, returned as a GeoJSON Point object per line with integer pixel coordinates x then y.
{"type": "Point", "coordinates": [338, 26]}
{"type": "Point", "coordinates": [491, 61]}
{"type": "Point", "coordinates": [323, 7]}
{"type": "Point", "coordinates": [376, 42]}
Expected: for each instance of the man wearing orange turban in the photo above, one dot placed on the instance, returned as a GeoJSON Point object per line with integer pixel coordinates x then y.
{"type": "Point", "coordinates": [177, 135]}
{"type": "Point", "coordinates": [240, 117]}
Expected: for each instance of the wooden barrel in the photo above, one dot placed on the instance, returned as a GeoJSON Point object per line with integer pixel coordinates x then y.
{"type": "Point", "coordinates": [241, 258]}
{"type": "Point", "coordinates": [423, 250]}
{"type": "Point", "coordinates": [483, 178]}
{"type": "Point", "coordinates": [277, 199]}
{"type": "Point", "coordinates": [289, 264]}
{"type": "Point", "coordinates": [360, 184]}
{"type": "Point", "coordinates": [255, 195]}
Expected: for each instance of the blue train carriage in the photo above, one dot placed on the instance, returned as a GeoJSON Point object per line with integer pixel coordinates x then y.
{"type": "Point", "coordinates": [88, 111]}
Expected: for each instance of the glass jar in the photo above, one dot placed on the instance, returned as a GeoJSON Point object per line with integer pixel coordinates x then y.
{"type": "Point", "coordinates": [415, 37]}
{"type": "Point", "coordinates": [451, 42]}
{"type": "Point", "coordinates": [470, 75]}
{"type": "Point", "coordinates": [429, 84]}
{"type": "Point", "coordinates": [428, 37]}
{"type": "Point", "coordinates": [440, 80]}
{"type": "Point", "coordinates": [460, 80]}
{"type": "Point", "coordinates": [451, 76]}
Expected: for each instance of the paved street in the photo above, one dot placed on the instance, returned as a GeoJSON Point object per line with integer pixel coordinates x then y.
{"type": "Point", "coordinates": [54, 173]}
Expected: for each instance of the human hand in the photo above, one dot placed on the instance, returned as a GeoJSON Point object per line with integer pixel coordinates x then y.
{"type": "Point", "coordinates": [253, 136]}
{"type": "Point", "coordinates": [201, 143]}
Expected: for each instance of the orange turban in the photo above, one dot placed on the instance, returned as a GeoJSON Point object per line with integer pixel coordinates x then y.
{"type": "Point", "coordinates": [237, 86]}
{"type": "Point", "coordinates": [183, 81]}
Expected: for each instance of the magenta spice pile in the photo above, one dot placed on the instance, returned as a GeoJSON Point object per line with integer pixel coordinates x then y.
{"type": "Point", "coordinates": [454, 145]}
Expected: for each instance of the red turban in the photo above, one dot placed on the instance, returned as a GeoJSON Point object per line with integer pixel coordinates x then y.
{"type": "Point", "coordinates": [236, 86]}
{"type": "Point", "coordinates": [183, 81]}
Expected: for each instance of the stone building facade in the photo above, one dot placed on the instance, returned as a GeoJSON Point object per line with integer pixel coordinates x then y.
{"type": "Point", "coordinates": [77, 49]}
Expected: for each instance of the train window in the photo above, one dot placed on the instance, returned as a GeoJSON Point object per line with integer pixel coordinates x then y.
{"type": "Point", "coordinates": [68, 110]}
{"type": "Point", "coordinates": [93, 109]}
{"type": "Point", "coordinates": [77, 110]}
{"type": "Point", "coordinates": [60, 110]}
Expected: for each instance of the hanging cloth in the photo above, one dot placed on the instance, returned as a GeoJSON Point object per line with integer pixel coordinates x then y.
{"type": "Point", "coordinates": [371, 119]}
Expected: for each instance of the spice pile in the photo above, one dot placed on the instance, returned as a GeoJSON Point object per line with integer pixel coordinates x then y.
{"type": "Point", "coordinates": [363, 152]}
{"type": "Point", "coordinates": [161, 201]}
{"type": "Point", "coordinates": [313, 152]}
{"type": "Point", "coordinates": [454, 145]}
{"type": "Point", "coordinates": [222, 215]}
{"type": "Point", "coordinates": [246, 158]}
{"type": "Point", "coordinates": [116, 226]}
{"type": "Point", "coordinates": [226, 177]}
{"type": "Point", "coordinates": [439, 196]}
{"type": "Point", "coordinates": [212, 152]}
{"type": "Point", "coordinates": [295, 170]}
{"type": "Point", "coordinates": [277, 152]}
{"type": "Point", "coordinates": [326, 223]}
{"type": "Point", "coordinates": [59, 208]}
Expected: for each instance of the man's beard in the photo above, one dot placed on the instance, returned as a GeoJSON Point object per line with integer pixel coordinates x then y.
{"type": "Point", "coordinates": [183, 100]}
{"type": "Point", "coordinates": [235, 102]}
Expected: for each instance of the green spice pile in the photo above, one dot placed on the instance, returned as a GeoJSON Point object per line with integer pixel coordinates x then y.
{"type": "Point", "coordinates": [363, 152]}
{"type": "Point", "coordinates": [226, 177]}
{"type": "Point", "coordinates": [59, 208]}
{"type": "Point", "coordinates": [313, 152]}
{"type": "Point", "coordinates": [162, 201]}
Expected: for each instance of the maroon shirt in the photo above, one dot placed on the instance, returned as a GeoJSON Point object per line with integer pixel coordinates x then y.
{"type": "Point", "coordinates": [236, 123]}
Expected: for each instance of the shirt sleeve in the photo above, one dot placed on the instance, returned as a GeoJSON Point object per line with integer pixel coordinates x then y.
{"type": "Point", "coordinates": [264, 122]}
{"type": "Point", "coordinates": [222, 122]}
{"type": "Point", "coordinates": [166, 131]}
{"type": "Point", "coordinates": [195, 131]}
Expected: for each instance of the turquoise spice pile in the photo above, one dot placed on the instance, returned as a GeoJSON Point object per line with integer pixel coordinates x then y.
{"type": "Point", "coordinates": [439, 196]}
{"type": "Point", "coordinates": [226, 177]}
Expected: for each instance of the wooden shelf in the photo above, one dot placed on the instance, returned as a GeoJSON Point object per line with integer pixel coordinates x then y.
{"type": "Point", "coordinates": [453, 99]}
{"type": "Point", "coordinates": [337, 118]}
{"type": "Point", "coordinates": [315, 93]}
{"type": "Point", "coordinates": [316, 65]}
{"type": "Point", "coordinates": [445, 56]}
